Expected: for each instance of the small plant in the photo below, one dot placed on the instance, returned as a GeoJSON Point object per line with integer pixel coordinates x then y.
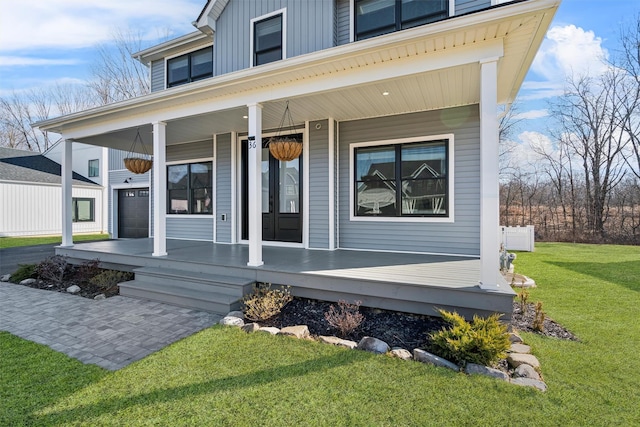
{"type": "Point", "coordinates": [24, 271]}
{"type": "Point", "coordinates": [345, 318]}
{"type": "Point", "coordinates": [52, 269]}
{"type": "Point", "coordinates": [523, 300]}
{"type": "Point", "coordinates": [538, 321]}
{"type": "Point", "coordinates": [483, 341]}
{"type": "Point", "coordinates": [264, 303]}
{"type": "Point", "coordinates": [107, 281]}
{"type": "Point", "coordinates": [87, 270]}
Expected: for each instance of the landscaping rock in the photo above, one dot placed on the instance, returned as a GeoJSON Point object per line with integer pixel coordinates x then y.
{"type": "Point", "coordinates": [28, 282]}
{"type": "Point", "coordinates": [520, 348]}
{"type": "Point", "coordinates": [298, 331]}
{"type": "Point", "coordinates": [526, 371]}
{"type": "Point", "coordinates": [270, 330]}
{"type": "Point", "coordinates": [236, 313]}
{"type": "Point", "coordinates": [426, 357]}
{"type": "Point", "coordinates": [517, 359]}
{"type": "Point", "coordinates": [100, 297]}
{"type": "Point", "coordinates": [73, 289]}
{"type": "Point", "coordinates": [231, 321]}
{"type": "Point", "coordinates": [338, 341]}
{"type": "Point", "coordinates": [515, 338]}
{"type": "Point", "coordinates": [250, 327]}
{"type": "Point", "coordinates": [374, 345]}
{"type": "Point", "coordinates": [401, 353]}
{"type": "Point", "coordinates": [5, 278]}
{"type": "Point", "coordinates": [473, 368]}
{"type": "Point", "coordinates": [529, 382]}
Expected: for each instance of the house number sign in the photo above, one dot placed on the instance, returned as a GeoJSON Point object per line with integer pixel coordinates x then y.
{"type": "Point", "coordinates": [252, 142]}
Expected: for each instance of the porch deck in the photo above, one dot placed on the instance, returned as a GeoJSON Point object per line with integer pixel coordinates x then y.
{"type": "Point", "coordinates": [413, 283]}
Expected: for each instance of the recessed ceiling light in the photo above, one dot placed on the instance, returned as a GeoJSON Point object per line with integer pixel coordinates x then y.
{"type": "Point", "coordinates": [245, 117]}
{"type": "Point", "coordinates": [385, 93]}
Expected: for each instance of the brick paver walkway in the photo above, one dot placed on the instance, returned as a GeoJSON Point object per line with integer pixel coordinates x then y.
{"type": "Point", "coordinates": [110, 333]}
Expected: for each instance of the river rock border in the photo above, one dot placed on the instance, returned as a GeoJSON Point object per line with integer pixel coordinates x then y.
{"type": "Point", "coordinates": [525, 366]}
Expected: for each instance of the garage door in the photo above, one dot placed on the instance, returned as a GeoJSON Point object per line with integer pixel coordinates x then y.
{"type": "Point", "coordinates": [133, 213]}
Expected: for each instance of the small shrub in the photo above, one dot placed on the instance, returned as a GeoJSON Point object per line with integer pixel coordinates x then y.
{"type": "Point", "coordinates": [538, 320]}
{"type": "Point", "coordinates": [345, 318]}
{"type": "Point", "coordinates": [24, 271]}
{"type": "Point", "coordinates": [483, 341]}
{"type": "Point", "coordinates": [52, 269]}
{"type": "Point", "coordinates": [523, 300]}
{"type": "Point", "coordinates": [264, 303]}
{"type": "Point", "coordinates": [87, 270]}
{"type": "Point", "coordinates": [107, 281]}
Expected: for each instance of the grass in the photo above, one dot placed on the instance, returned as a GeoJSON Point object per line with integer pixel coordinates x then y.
{"type": "Point", "coordinates": [12, 242]}
{"type": "Point", "coordinates": [222, 376]}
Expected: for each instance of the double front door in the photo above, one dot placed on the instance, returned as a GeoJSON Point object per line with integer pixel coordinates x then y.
{"type": "Point", "coordinates": [281, 197]}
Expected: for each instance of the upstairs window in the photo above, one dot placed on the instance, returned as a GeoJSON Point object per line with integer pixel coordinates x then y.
{"type": "Point", "coordinates": [190, 67]}
{"type": "Point", "coordinates": [268, 40]}
{"type": "Point", "coordinates": [94, 168]}
{"type": "Point", "coordinates": [377, 17]}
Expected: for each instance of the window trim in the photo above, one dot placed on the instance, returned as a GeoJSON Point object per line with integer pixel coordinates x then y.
{"type": "Point", "coordinates": [187, 53]}
{"type": "Point", "coordinates": [168, 213]}
{"type": "Point", "coordinates": [400, 219]}
{"type": "Point", "coordinates": [97, 175]}
{"type": "Point", "coordinates": [252, 23]}
{"type": "Point", "coordinates": [74, 209]}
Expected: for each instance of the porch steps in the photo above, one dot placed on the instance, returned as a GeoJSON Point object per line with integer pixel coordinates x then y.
{"type": "Point", "coordinates": [202, 291]}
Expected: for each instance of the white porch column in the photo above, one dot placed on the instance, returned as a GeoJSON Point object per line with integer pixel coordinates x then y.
{"type": "Point", "coordinates": [489, 187]}
{"type": "Point", "coordinates": [255, 185]}
{"type": "Point", "coordinates": [67, 193]}
{"type": "Point", "coordinates": [159, 189]}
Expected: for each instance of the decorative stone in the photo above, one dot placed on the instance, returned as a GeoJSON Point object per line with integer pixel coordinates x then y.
{"type": "Point", "coordinates": [426, 357]}
{"type": "Point", "coordinates": [517, 359]}
{"type": "Point", "coordinates": [373, 345]}
{"type": "Point", "coordinates": [401, 353]}
{"type": "Point", "coordinates": [526, 371]}
{"type": "Point", "coordinates": [473, 368]}
{"type": "Point", "coordinates": [515, 338]}
{"type": "Point", "coordinates": [338, 341]}
{"type": "Point", "coordinates": [5, 278]}
{"type": "Point", "coordinates": [298, 331]}
{"type": "Point", "coordinates": [28, 282]}
{"type": "Point", "coordinates": [270, 330]}
{"type": "Point", "coordinates": [100, 297]}
{"type": "Point", "coordinates": [236, 313]}
{"type": "Point", "coordinates": [231, 321]}
{"type": "Point", "coordinates": [520, 348]}
{"type": "Point", "coordinates": [530, 382]}
{"type": "Point", "coordinates": [250, 327]}
{"type": "Point", "coordinates": [73, 289]}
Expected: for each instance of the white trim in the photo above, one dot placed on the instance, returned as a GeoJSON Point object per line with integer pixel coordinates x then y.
{"type": "Point", "coordinates": [276, 243]}
{"type": "Point", "coordinates": [305, 185]}
{"type": "Point", "coordinates": [450, 179]}
{"type": "Point", "coordinates": [332, 184]}
{"type": "Point", "coordinates": [66, 181]}
{"type": "Point", "coordinates": [151, 190]}
{"type": "Point", "coordinates": [166, 67]}
{"type": "Point", "coordinates": [234, 188]}
{"type": "Point", "coordinates": [214, 189]}
{"type": "Point", "coordinates": [252, 22]}
{"type": "Point", "coordinates": [410, 252]}
{"type": "Point", "coordinates": [352, 21]}
{"type": "Point", "coordinates": [452, 8]}
{"type": "Point", "coordinates": [254, 184]}
{"type": "Point", "coordinates": [159, 186]}
{"type": "Point", "coordinates": [337, 186]}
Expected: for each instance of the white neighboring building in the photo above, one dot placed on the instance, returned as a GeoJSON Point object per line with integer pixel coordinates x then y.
{"type": "Point", "coordinates": [31, 197]}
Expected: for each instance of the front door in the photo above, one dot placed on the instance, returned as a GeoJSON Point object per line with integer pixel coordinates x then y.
{"type": "Point", "coordinates": [281, 197]}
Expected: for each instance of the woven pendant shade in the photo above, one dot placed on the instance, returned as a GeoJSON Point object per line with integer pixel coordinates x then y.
{"type": "Point", "coordinates": [136, 163]}
{"type": "Point", "coordinates": [285, 147]}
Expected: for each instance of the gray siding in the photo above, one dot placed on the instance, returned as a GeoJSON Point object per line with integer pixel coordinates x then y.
{"type": "Point", "coordinates": [223, 187]}
{"type": "Point", "coordinates": [466, 6]}
{"type": "Point", "coordinates": [157, 75]}
{"type": "Point", "coordinates": [342, 22]}
{"type": "Point", "coordinates": [196, 228]}
{"type": "Point", "coordinates": [460, 237]}
{"type": "Point", "coordinates": [192, 150]}
{"type": "Point", "coordinates": [319, 185]}
{"type": "Point", "coordinates": [309, 28]}
{"type": "Point", "coordinates": [116, 159]}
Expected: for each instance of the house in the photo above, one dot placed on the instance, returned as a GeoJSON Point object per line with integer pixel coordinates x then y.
{"type": "Point", "coordinates": [411, 86]}
{"type": "Point", "coordinates": [31, 201]}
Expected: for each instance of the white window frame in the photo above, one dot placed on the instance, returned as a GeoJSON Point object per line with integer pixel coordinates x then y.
{"type": "Point", "coordinates": [188, 52]}
{"type": "Point", "coordinates": [252, 22]}
{"type": "Point", "coordinates": [450, 179]}
{"type": "Point", "coordinates": [213, 190]}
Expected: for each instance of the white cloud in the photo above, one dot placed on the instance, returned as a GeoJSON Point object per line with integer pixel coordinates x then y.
{"type": "Point", "coordinates": [21, 61]}
{"type": "Point", "coordinates": [531, 114]}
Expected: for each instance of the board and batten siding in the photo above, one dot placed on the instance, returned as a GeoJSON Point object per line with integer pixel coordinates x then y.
{"type": "Point", "coordinates": [460, 237]}
{"type": "Point", "coordinates": [157, 75]}
{"type": "Point", "coordinates": [319, 184]}
{"type": "Point", "coordinates": [309, 28]}
{"type": "Point", "coordinates": [190, 151]}
{"type": "Point", "coordinates": [190, 228]}
{"type": "Point", "coordinates": [224, 188]}
{"type": "Point", "coordinates": [36, 209]}
{"type": "Point", "coordinates": [467, 6]}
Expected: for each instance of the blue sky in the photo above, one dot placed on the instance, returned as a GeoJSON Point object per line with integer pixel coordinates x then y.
{"type": "Point", "coordinates": [45, 42]}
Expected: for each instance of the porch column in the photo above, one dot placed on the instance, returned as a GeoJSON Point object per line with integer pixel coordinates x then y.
{"type": "Point", "coordinates": [255, 185]}
{"type": "Point", "coordinates": [159, 189]}
{"type": "Point", "coordinates": [489, 191]}
{"type": "Point", "coordinates": [67, 193]}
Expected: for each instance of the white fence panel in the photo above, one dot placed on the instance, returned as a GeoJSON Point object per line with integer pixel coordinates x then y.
{"type": "Point", "coordinates": [518, 238]}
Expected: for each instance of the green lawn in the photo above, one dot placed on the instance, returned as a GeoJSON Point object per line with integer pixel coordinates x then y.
{"type": "Point", "coordinates": [12, 242]}
{"type": "Point", "coordinates": [222, 376]}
